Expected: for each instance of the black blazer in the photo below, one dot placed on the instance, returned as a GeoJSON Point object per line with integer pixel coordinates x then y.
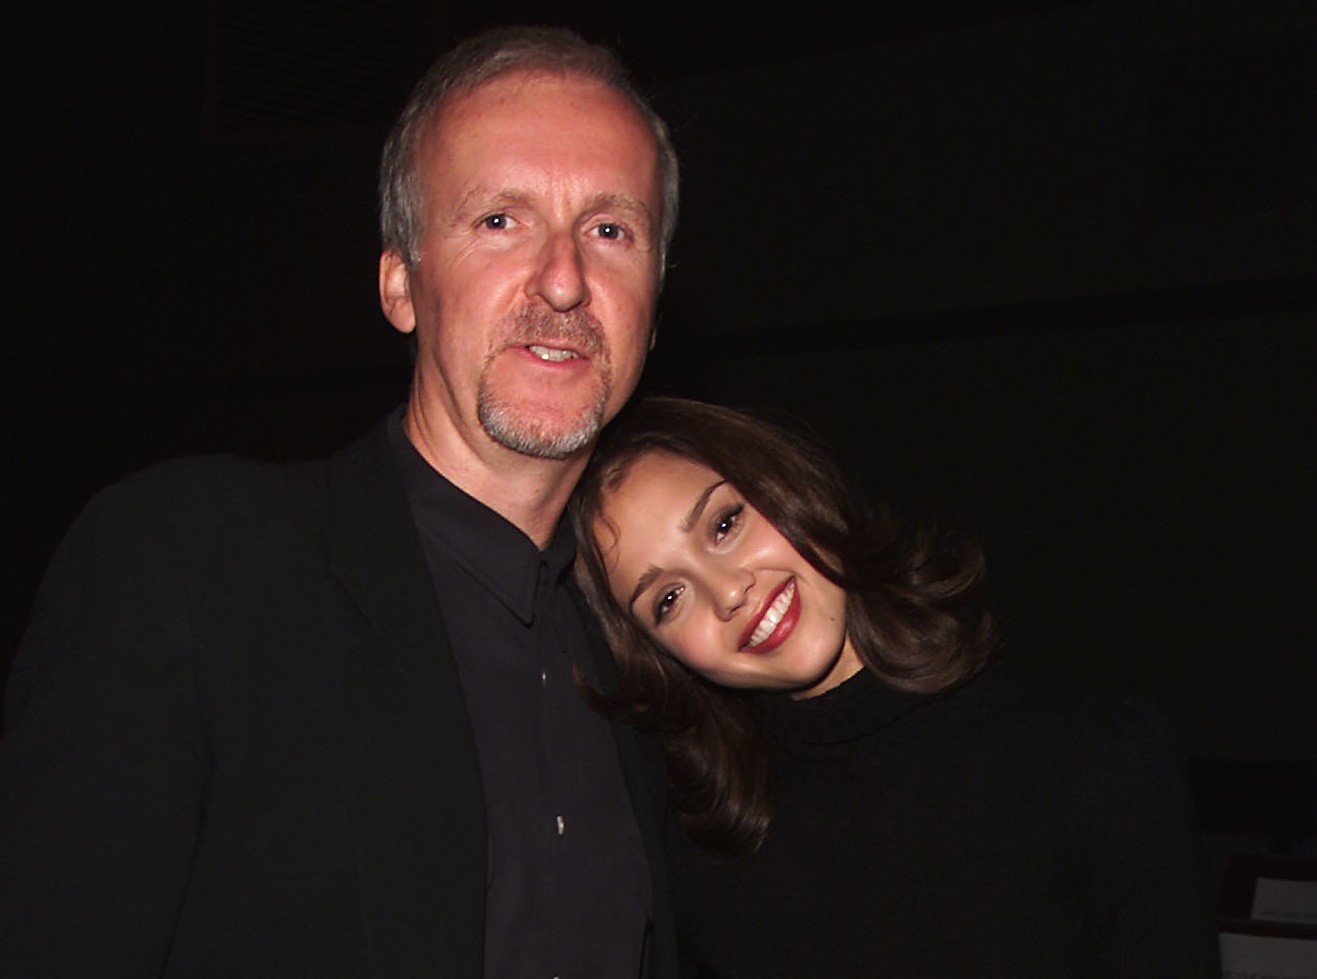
{"type": "Point", "coordinates": [235, 740]}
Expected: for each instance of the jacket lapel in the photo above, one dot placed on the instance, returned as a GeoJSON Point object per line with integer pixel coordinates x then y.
{"type": "Point", "coordinates": [642, 767]}
{"type": "Point", "coordinates": [416, 780]}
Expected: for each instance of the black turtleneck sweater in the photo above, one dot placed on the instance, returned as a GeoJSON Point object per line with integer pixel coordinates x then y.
{"type": "Point", "coordinates": [1010, 829]}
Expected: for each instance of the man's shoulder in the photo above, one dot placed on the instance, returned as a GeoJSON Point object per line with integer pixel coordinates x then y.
{"type": "Point", "coordinates": [206, 487]}
{"type": "Point", "coordinates": [214, 494]}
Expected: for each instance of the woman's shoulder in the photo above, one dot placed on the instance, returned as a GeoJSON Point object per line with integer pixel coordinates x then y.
{"type": "Point", "coordinates": [1011, 684]}
{"type": "Point", "coordinates": [1068, 713]}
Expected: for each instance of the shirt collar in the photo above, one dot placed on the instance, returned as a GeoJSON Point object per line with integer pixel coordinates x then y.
{"type": "Point", "coordinates": [486, 545]}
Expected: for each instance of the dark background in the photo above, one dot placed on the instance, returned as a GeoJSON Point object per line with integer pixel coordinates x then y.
{"type": "Point", "coordinates": [1046, 265]}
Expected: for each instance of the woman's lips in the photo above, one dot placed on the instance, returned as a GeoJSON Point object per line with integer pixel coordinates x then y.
{"type": "Point", "coordinates": [779, 617]}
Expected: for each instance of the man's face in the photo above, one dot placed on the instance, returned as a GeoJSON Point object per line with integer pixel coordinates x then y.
{"type": "Point", "coordinates": [533, 296]}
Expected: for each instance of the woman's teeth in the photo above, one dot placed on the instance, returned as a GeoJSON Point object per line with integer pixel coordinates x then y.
{"type": "Point", "coordinates": [773, 616]}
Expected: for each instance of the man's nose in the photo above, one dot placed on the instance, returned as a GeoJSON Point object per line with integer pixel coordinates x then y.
{"type": "Point", "coordinates": [559, 278]}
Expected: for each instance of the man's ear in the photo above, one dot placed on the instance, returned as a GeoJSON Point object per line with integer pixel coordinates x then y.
{"type": "Point", "coordinates": [396, 292]}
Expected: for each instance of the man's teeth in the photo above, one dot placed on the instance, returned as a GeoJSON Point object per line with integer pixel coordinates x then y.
{"type": "Point", "coordinates": [554, 354]}
{"type": "Point", "coordinates": [773, 616]}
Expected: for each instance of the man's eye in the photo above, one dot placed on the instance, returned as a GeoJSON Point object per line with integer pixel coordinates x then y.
{"type": "Point", "coordinates": [610, 231]}
{"type": "Point", "coordinates": [496, 222]}
{"type": "Point", "coordinates": [665, 603]}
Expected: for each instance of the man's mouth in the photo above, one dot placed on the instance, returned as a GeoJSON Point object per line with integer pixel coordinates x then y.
{"type": "Point", "coordinates": [553, 355]}
{"type": "Point", "coordinates": [557, 338]}
{"type": "Point", "coordinates": [772, 616]}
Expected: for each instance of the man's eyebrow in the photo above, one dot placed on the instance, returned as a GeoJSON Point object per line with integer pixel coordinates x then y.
{"type": "Point", "coordinates": [617, 201]}
{"type": "Point", "coordinates": [487, 198]}
{"type": "Point", "coordinates": [687, 524]}
{"type": "Point", "coordinates": [629, 206]}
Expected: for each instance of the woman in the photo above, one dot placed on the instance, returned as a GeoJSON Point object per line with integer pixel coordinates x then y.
{"type": "Point", "coordinates": [861, 788]}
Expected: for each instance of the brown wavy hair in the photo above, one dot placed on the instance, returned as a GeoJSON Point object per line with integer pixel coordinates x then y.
{"type": "Point", "coordinates": [914, 610]}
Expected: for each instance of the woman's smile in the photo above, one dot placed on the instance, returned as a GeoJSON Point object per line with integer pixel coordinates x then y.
{"type": "Point", "coordinates": [771, 629]}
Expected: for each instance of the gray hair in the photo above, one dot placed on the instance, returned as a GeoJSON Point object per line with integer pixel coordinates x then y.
{"type": "Point", "coordinates": [473, 63]}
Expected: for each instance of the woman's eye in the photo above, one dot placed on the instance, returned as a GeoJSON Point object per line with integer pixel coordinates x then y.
{"type": "Point", "coordinates": [665, 603]}
{"type": "Point", "coordinates": [725, 522]}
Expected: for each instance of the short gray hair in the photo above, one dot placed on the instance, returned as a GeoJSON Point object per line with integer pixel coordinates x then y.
{"type": "Point", "coordinates": [474, 62]}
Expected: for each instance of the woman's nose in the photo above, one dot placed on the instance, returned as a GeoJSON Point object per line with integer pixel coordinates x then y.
{"type": "Point", "coordinates": [732, 590]}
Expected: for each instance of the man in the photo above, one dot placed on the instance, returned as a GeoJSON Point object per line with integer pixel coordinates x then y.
{"type": "Point", "coordinates": [320, 719]}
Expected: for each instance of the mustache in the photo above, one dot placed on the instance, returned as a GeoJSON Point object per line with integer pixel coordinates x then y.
{"type": "Point", "coordinates": [575, 329]}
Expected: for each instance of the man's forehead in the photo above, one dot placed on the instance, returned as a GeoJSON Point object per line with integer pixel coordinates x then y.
{"type": "Point", "coordinates": [502, 122]}
{"type": "Point", "coordinates": [513, 90]}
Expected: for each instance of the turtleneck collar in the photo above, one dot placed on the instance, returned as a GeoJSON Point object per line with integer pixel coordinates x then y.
{"type": "Point", "coordinates": [858, 707]}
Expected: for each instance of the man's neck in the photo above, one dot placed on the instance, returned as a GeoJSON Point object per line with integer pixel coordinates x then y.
{"type": "Point", "coordinates": [529, 492]}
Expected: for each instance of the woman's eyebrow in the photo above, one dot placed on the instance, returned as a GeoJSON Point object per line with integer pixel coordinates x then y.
{"type": "Point", "coordinates": [642, 585]}
{"type": "Point", "coordinates": [697, 510]}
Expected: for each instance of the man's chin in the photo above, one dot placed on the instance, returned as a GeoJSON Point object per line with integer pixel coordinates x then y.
{"type": "Point", "coordinates": [528, 433]}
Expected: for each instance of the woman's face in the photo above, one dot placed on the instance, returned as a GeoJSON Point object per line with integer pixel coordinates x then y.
{"type": "Point", "coordinates": [716, 585]}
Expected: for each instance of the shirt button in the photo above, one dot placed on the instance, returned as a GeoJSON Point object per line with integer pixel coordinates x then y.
{"type": "Point", "coordinates": [544, 682]}
{"type": "Point", "coordinates": [562, 826]}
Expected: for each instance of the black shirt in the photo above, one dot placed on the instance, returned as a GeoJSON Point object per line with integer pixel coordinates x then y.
{"type": "Point", "coordinates": [569, 888]}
